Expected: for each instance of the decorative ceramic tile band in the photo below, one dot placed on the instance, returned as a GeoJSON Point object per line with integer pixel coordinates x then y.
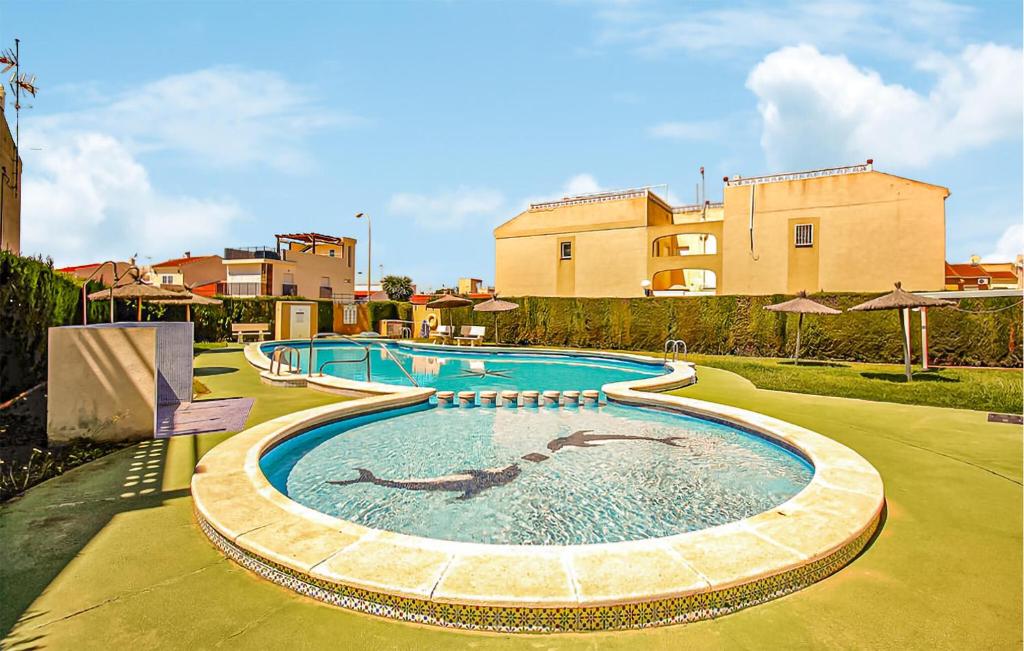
{"type": "Point", "coordinates": [647, 614]}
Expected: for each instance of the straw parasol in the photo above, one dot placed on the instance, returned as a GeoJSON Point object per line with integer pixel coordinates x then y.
{"type": "Point", "coordinates": [496, 305]}
{"type": "Point", "coordinates": [188, 301]}
{"type": "Point", "coordinates": [137, 290]}
{"type": "Point", "coordinates": [447, 302]}
{"type": "Point", "coordinates": [898, 299]}
{"type": "Point", "coordinates": [801, 305]}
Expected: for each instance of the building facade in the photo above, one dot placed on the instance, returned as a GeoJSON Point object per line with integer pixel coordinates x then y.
{"type": "Point", "coordinates": [848, 229]}
{"type": "Point", "coordinates": [201, 274]}
{"type": "Point", "coordinates": [10, 187]}
{"type": "Point", "coordinates": [311, 265]}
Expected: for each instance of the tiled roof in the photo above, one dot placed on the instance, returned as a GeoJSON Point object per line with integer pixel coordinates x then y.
{"type": "Point", "coordinates": [177, 262]}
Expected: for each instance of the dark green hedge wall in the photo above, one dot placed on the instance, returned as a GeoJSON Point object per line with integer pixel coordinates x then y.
{"type": "Point", "coordinates": [976, 334]}
{"type": "Point", "coordinates": [33, 297]}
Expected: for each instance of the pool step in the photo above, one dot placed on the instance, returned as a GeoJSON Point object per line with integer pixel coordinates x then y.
{"type": "Point", "coordinates": [511, 399]}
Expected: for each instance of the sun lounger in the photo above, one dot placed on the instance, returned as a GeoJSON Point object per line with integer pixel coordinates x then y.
{"type": "Point", "coordinates": [471, 334]}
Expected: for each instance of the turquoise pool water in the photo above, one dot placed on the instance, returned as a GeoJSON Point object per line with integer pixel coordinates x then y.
{"type": "Point", "coordinates": [473, 370]}
{"type": "Point", "coordinates": [608, 474]}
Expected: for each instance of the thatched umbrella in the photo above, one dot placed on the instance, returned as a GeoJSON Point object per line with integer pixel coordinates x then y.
{"type": "Point", "coordinates": [188, 301]}
{"type": "Point", "coordinates": [496, 305]}
{"type": "Point", "coordinates": [801, 305]}
{"type": "Point", "coordinates": [901, 300]}
{"type": "Point", "coordinates": [447, 302]}
{"type": "Point", "coordinates": [137, 290]}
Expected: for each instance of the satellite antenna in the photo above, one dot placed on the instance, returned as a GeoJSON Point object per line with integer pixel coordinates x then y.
{"type": "Point", "coordinates": [18, 82]}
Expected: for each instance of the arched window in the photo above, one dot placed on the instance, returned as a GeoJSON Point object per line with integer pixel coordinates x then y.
{"type": "Point", "coordinates": [685, 244]}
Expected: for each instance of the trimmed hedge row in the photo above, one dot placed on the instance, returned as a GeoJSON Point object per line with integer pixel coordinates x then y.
{"type": "Point", "coordinates": [33, 297]}
{"type": "Point", "coordinates": [978, 332]}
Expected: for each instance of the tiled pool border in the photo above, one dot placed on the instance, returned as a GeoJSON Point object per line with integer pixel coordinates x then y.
{"type": "Point", "coordinates": [691, 576]}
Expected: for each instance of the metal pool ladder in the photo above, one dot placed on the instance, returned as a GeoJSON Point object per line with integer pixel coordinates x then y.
{"type": "Point", "coordinates": [278, 355]}
{"type": "Point", "coordinates": [322, 335]}
{"type": "Point", "coordinates": [401, 368]}
{"type": "Point", "coordinates": [672, 346]}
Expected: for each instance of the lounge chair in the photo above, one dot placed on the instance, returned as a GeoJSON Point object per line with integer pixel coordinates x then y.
{"type": "Point", "coordinates": [441, 335]}
{"type": "Point", "coordinates": [471, 334]}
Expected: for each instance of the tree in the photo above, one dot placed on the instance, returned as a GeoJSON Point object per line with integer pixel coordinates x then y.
{"type": "Point", "coordinates": [398, 288]}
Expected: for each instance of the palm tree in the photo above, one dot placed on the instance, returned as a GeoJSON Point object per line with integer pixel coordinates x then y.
{"type": "Point", "coordinates": [398, 288]}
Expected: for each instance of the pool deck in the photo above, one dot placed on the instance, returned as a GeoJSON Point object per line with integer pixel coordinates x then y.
{"type": "Point", "coordinates": [85, 565]}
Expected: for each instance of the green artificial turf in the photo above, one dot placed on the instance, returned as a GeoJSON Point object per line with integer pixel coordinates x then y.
{"type": "Point", "coordinates": [980, 389]}
{"type": "Point", "coordinates": [89, 561]}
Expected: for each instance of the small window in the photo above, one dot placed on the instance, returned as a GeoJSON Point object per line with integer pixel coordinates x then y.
{"type": "Point", "coordinates": [167, 280]}
{"type": "Point", "coordinates": [330, 253]}
{"type": "Point", "coordinates": [804, 235]}
{"type": "Point", "coordinates": [566, 250]}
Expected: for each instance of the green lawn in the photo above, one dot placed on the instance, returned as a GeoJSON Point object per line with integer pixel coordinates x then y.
{"type": "Point", "coordinates": [963, 388]}
{"type": "Point", "coordinates": [89, 560]}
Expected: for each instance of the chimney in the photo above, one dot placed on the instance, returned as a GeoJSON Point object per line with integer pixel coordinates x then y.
{"type": "Point", "coordinates": [975, 260]}
{"type": "Point", "coordinates": [188, 254]}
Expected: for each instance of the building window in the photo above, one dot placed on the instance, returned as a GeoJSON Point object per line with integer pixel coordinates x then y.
{"type": "Point", "coordinates": [166, 280]}
{"type": "Point", "coordinates": [803, 235]}
{"type": "Point", "coordinates": [565, 250]}
{"type": "Point", "coordinates": [330, 253]}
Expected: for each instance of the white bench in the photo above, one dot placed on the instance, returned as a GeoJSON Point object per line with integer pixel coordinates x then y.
{"type": "Point", "coordinates": [259, 330]}
{"type": "Point", "coordinates": [442, 334]}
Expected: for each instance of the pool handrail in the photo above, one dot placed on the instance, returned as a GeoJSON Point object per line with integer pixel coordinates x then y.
{"type": "Point", "coordinates": [672, 345]}
{"type": "Point", "coordinates": [285, 349]}
{"type": "Point", "coordinates": [394, 359]}
{"type": "Point", "coordinates": [323, 335]}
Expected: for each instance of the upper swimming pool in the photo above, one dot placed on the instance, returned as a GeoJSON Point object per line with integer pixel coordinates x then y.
{"type": "Point", "coordinates": [476, 369]}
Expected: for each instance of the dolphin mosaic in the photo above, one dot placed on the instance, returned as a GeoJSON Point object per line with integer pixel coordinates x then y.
{"type": "Point", "coordinates": [468, 482]}
{"type": "Point", "coordinates": [584, 439]}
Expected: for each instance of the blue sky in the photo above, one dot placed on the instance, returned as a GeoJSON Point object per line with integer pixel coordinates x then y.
{"type": "Point", "coordinates": [165, 127]}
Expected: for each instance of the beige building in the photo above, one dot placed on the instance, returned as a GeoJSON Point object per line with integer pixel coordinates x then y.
{"type": "Point", "coordinates": [311, 265]}
{"type": "Point", "coordinates": [202, 274]}
{"type": "Point", "coordinates": [841, 229]}
{"type": "Point", "coordinates": [10, 187]}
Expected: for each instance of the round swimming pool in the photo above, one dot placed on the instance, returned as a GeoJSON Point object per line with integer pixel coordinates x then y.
{"type": "Point", "coordinates": [452, 369]}
{"type": "Point", "coordinates": [535, 477]}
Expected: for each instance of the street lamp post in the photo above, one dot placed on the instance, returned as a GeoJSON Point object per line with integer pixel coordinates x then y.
{"type": "Point", "coordinates": [369, 253]}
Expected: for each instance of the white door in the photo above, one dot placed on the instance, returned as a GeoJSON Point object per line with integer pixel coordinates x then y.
{"type": "Point", "coordinates": [300, 322]}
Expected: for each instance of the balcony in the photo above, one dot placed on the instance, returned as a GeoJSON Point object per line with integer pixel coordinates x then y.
{"type": "Point", "coordinates": [251, 252]}
{"type": "Point", "coordinates": [288, 289]}
{"type": "Point", "coordinates": [326, 292]}
{"type": "Point", "coordinates": [246, 289]}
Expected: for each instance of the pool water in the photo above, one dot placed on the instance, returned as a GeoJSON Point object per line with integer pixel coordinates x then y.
{"type": "Point", "coordinates": [670, 474]}
{"type": "Point", "coordinates": [470, 370]}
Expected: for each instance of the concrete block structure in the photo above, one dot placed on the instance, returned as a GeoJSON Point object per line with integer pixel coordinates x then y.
{"type": "Point", "coordinates": [106, 381]}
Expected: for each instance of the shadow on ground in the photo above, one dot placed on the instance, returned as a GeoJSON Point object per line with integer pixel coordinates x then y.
{"type": "Point", "coordinates": [204, 371]}
{"type": "Point", "coordinates": [900, 378]}
{"type": "Point", "coordinates": [813, 363]}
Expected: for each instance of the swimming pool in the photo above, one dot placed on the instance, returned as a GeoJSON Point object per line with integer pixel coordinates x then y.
{"type": "Point", "coordinates": [535, 476]}
{"type": "Point", "coordinates": [453, 369]}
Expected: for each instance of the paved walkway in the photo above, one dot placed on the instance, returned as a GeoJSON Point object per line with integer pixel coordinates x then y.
{"type": "Point", "coordinates": [203, 417]}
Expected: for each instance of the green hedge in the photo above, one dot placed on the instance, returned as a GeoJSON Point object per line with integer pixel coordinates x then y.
{"type": "Point", "coordinates": [981, 332]}
{"type": "Point", "coordinates": [33, 298]}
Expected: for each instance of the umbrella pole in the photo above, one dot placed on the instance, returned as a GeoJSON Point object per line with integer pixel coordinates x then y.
{"type": "Point", "coordinates": [495, 327]}
{"type": "Point", "coordinates": [138, 309]}
{"type": "Point", "coordinates": [799, 327]}
{"type": "Point", "coordinates": [111, 303]}
{"type": "Point", "coordinates": [188, 312]}
{"type": "Point", "coordinates": [906, 346]}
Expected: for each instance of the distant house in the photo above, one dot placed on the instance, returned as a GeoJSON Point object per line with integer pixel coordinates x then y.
{"type": "Point", "coordinates": [310, 265]}
{"type": "Point", "coordinates": [983, 275]}
{"type": "Point", "coordinates": [105, 275]}
{"type": "Point", "coordinates": [203, 274]}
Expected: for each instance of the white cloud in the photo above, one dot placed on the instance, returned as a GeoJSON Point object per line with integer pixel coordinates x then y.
{"type": "Point", "coordinates": [88, 194]}
{"type": "Point", "coordinates": [448, 208]}
{"type": "Point", "coordinates": [581, 184]}
{"type": "Point", "coordinates": [87, 198]}
{"type": "Point", "coordinates": [695, 130]}
{"type": "Point", "coordinates": [818, 109]}
{"type": "Point", "coordinates": [898, 28]}
{"type": "Point", "coordinates": [1009, 246]}
{"type": "Point", "coordinates": [223, 116]}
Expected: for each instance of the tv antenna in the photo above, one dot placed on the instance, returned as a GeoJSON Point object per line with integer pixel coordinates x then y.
{"type": "Point", "coordinates": [19, 81]}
